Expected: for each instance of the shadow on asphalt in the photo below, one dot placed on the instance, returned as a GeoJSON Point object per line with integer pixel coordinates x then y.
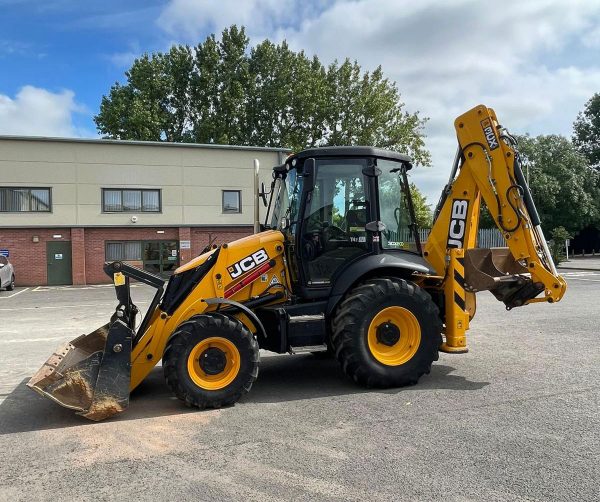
{"type": "Point", "coordinates": [281, 379]}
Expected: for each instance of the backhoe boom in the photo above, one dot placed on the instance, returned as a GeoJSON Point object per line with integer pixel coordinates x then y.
{"type": "Point", "coordinates": [488, 167]}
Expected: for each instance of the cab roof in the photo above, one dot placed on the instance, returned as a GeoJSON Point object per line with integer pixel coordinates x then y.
{"type": "Point", "coordinates": [352, 151]}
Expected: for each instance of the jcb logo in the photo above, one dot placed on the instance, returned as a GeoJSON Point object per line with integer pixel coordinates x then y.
{"type": "Point", "coordinates": [248, 263]}
{"type": "Point", "coordinates": [490, 135]}
{"type": "Point", "coordinates": [458, 221]}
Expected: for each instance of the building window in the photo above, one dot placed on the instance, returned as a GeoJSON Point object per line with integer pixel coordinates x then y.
{"type": "Point", "coordinates": [25, 200]}
{"type": "Point", "coordinates": [232, 201]}
{"type": "Point", "coordinates": [124, 251]}
{"type": "Point", "coordinates": [118, 200]}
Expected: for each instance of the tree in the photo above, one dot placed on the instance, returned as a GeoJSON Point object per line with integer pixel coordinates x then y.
{"type": "Point", "coordinates": [557, 244]}
{"type": "Point", "coordinates": [222, 91]}
{"type": "Point", "coordinates": [563, 185]}
{"type": "Point", "coordinates": [155, 103]}
{"type": "Point", "coordinates": [423, 212]}
{"type": "Point", "coordinates": [586, 131]}
{"type": "Point", "coordinates": [485, 218]}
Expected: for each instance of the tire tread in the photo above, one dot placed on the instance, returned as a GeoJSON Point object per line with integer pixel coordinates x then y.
{"type": "Point", "coordinates": [349, 316]}
{"type": "Point", "coordinates": [179, 344]}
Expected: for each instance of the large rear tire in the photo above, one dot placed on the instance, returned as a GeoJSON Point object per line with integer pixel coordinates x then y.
{"type": "Point", "coordinates": [211, 361]}
{"type": "Point", "coordinates": [386, 333]}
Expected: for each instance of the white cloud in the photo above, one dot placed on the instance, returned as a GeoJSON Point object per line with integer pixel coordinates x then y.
{"type": "Point", "coordinates": [123, 59]}
{"type": "Point", "coordinates": [592, 38]}
{"type": "Point", "coordinates": [189, 19]}
{"type": "Point", "coordinates": [446, 57]}
{"type": "Point", "coordinates": [12, 47]}
{"type": "Point", "coordinates": [38, 112]}
{"type": "Point", "coordinates": [126, 58]}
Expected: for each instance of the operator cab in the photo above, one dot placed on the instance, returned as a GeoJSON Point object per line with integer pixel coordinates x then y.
{"type": "Point", "coordinates": [337, 205]}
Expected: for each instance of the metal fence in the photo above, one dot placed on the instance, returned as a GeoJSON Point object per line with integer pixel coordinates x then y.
{"type": "Point", "coordinates": [486, 237]}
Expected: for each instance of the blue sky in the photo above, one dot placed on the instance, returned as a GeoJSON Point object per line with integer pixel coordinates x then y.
{"type": "Point", "coordinates": [536, 62]}
{"type": "Point", "coordinates": [83, 47]}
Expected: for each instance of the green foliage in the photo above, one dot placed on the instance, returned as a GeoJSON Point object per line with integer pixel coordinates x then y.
{"type": "Point", "coordinates": [557, 244]}
{"type": "Point", "coordinates": [222, 91]}
{"type": "Point", "coordinates": [586, 131]}
{"type": "Point", "coordinates": [423, 212]}
{"type": "Point", "coordinates": [563, 185]}
{"type": "Point", "coordinates": [485, 218]}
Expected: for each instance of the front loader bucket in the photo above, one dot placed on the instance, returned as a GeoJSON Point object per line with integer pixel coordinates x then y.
{"type": "Point", "coordinates": [495, 270]}
{"type": "Point", "coordinates": [90, 374]}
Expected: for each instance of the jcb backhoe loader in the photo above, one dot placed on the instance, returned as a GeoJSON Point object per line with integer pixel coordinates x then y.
{"type": "Point", "coordinates": [337, 266]}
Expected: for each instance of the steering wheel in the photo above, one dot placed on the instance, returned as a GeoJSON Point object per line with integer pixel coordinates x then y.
{"type": "Point", "coordinates": [330, 231]}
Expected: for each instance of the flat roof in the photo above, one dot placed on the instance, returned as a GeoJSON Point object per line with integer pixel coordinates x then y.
{"type": "Point", "coordinates": [100, 141]}
{"type": "Point", "coordinates": [352, 151]}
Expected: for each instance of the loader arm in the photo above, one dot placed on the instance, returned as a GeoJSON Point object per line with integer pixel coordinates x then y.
{"type": "Point", "coordinates": [487, 166]}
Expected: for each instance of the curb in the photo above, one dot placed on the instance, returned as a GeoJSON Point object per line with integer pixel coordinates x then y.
{"type": "Point", "coordinates": [578, 269]}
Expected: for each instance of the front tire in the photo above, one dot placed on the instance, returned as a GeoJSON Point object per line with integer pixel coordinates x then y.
{"type": "Point", "coordinates": [386, 333]}
{"type": "Point", "coordinates": [11, 284]}
{"type": "Point", "coordinates": [211, 361]}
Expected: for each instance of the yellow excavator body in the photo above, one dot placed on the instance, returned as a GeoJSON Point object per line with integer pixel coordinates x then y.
{"type": "Point", "coordinates": [263, 255]}
{"type": "Point", "coordinates": [338, 267]}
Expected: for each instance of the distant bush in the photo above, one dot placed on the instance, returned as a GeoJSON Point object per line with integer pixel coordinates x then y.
{"type": "Point", "coordinates": [557, 244]}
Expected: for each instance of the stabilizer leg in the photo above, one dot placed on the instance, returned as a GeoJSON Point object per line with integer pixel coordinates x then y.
{"type": "Point", "coordinates": [457, 317]}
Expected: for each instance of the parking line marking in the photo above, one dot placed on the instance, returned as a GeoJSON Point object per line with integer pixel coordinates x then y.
{"type": "Point", "coordinates": [582, 279]}
{"type": "Point", "coordinates": [25, 340]}
{"type": "Point", "coordinates": [13, 295]}
{"type": "Point", "coordinates": [44, 289]}
{"type": "Point", "coordinates": [68, 306]}
{"type": "Point", "coordinates": [61, 307]}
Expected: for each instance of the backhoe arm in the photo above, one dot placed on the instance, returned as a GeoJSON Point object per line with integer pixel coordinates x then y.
{"type": "Point", "coordinates": [487, 166]}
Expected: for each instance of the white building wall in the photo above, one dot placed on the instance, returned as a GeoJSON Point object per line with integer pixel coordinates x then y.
{"type": "Point", "coordinates": [190, 177]}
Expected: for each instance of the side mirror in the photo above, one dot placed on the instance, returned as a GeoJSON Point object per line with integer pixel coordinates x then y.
{"type": "Point", "coordinates": [263, 194]}
{"type": "Point", "coordinates": [308, 173]}
{"type": "Point", "coordinates": [1, 265]}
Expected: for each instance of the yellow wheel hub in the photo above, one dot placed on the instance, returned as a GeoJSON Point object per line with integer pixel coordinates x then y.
{"type": "Point", "coordinates": [394, 336]}
{"type": "Point", "coordinates": [213, 363]}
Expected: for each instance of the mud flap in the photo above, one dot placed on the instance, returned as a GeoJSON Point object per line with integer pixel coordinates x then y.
{"type": "Point", "coordinates": [90, 374]}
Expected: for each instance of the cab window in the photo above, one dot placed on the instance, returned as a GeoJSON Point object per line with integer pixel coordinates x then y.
{"type": "Point", "coordinates": [335, 218]}
{"type": "Point", "coordinates": [394, 213]}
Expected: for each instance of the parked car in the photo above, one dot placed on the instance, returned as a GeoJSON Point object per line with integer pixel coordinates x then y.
{"type": "Point", "coordinates": [7, 274]}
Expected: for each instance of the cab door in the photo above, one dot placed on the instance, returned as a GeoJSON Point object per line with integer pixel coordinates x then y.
{"type": "Point", "coordinates": [336, 209]}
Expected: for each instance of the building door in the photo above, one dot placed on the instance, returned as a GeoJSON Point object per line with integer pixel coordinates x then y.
{"type": "Point", "coordinates": [58, 255]}
{"type": "Point", "coordinates": [160, 257]}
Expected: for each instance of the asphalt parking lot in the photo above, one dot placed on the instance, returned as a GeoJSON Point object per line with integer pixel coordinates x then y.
{"type": "Point", "coordinates": [517, 418]}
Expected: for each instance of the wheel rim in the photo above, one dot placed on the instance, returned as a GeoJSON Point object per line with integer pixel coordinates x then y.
{"type": "Point", "coordinates": [394, 336]}
{"type": "Point", "coordinates": [203, 363]}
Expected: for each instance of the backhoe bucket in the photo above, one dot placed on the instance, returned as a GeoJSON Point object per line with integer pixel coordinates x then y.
{"type": "Point", "coordinates": [496, 270]}
{"type": "Point", "coordinates": [90, 374]}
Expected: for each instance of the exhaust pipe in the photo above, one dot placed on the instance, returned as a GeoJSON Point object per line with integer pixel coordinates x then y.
{"type": "Point", "coordinates": [256, 198]}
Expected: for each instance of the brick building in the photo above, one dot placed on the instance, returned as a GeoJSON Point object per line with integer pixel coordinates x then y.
{"type": "Point", "coordinates": [69, 205]}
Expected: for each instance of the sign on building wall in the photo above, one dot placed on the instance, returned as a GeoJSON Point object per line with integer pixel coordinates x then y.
{"type": "Point", "coordinates": [185, 244]}
{"type": "Point", "coordinates": [4, 252]}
